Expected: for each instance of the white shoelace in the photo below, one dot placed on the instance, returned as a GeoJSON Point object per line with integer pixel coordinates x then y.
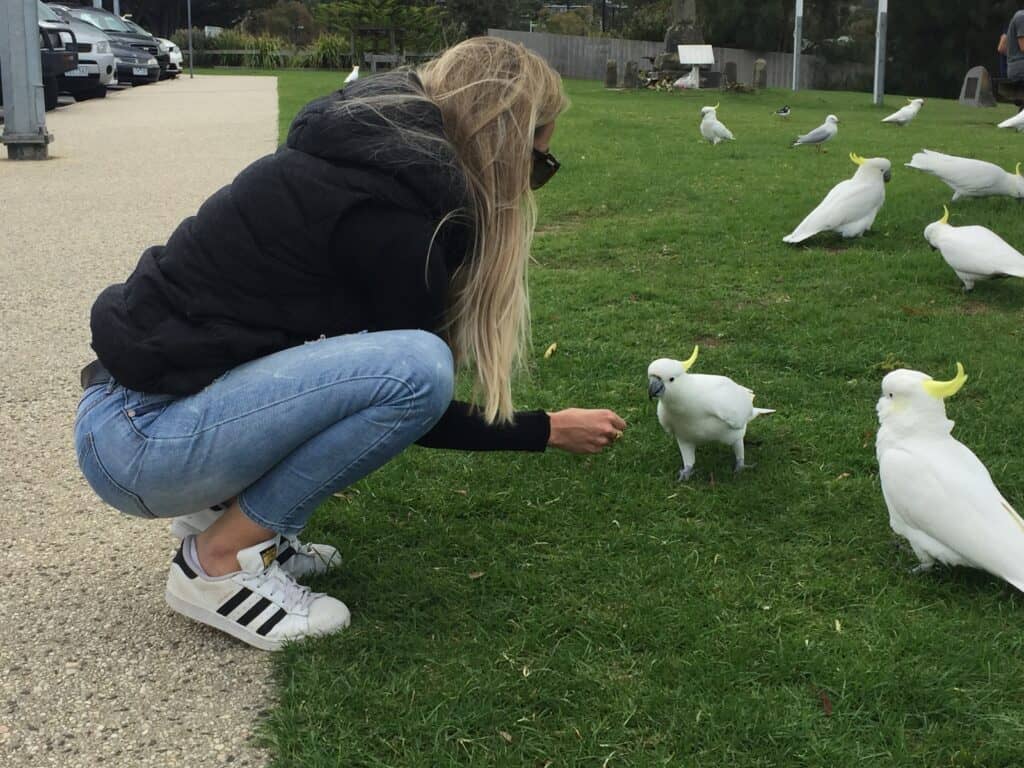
{"type": "Point", "coordinates": [282, 588]}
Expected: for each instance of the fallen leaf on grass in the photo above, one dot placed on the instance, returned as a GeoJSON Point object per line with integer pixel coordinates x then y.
{"type": "Point", "coordinates": [826, 703]}
{"type": "Point", "coordinates": [462, 491]}
{"type": "Point", "coordinates": [474, 575]}
{"type": "Point", "coordinates": [550, 351]}
{"type": "Point", "coordinates": [843, 476]}
{"type": "Point", "coordinates": [839, 627]}
{"type": "Point", "coordinates": [506, 736]}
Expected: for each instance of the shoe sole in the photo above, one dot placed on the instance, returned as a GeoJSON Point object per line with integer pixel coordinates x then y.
{"type": "Point", "coordinates": [215, 620]}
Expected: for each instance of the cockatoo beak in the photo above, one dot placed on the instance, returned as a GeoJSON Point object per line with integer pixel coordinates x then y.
{"type": "Point", "coordinates": [655, 387]}
{"type": "Point", "coordinates": [940, 390]}
{"type": "Point", "coordinates": [886, 176]}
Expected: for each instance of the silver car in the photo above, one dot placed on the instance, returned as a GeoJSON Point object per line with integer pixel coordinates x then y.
{"type": "Point", "coordinates": [96, 65]}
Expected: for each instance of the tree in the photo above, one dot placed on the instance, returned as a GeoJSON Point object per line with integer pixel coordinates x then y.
{"type": "Point", "coordinates": [477, 16]}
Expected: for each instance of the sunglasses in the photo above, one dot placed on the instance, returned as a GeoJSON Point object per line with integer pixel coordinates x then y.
{"type": "Point", "coordinates": [544, 167]}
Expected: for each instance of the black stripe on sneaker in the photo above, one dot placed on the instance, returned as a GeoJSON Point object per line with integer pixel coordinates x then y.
{"type": "Point", "coordinates": [234, 601]}
{"type": "Point", "coordinates": [272, 622]}
{"type": "Point", "coordinates": [179, 560]}
{"type": "Point", "coordinates": [286, 555]}
{"type": "Point", "coordinates": [259, 607]}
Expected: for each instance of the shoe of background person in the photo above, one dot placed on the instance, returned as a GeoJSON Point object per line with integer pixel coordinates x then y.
{"type": "Point", "coordinates": [260, 604]}
{"type": "Point", "coordinates": [295, 557]}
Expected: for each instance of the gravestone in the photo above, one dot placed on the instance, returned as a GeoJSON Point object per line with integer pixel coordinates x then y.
{"type": "Point", "coordinates": [730, 72]}
{"type": "Point", "coordinates": [760, 74]}
{"type": "Point", "coordinates": [631, 78]}
{"type": "Point", "coordinates": [611, 74]}
{"type": "Point", "coordinates": [977, 89]}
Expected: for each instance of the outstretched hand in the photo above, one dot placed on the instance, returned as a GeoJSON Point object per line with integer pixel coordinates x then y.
{"type": "Point", "coordinates": [584, 430]}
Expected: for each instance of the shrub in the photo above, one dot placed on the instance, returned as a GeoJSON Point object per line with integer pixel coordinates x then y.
{"type": "Point", "coordinates": [266, 52]}
{"type": "Point", "coordinates": [330, 52]}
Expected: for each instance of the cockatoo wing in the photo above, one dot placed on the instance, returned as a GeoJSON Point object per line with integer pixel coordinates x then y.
{"type": "Point", "coordinates": [719, 130]}
{"type": "Point", "coordinates": [1017, 121]}
{"type": "Point", "coordinates": [979, 251]}
{"type": "Point", "coordinates": [725, 399]}
{"type": "Point", "coordinates": [961, 173]}
{"type": "Point", "coordinates": [902, 115]}
{"type": "Point", "coordinates": [941, 489]}
{"type": "Point", "coordinates": [846, 202]}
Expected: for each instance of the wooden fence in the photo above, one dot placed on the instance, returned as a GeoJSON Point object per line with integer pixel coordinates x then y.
{"type": "Point", "coordinates": [587, 57]}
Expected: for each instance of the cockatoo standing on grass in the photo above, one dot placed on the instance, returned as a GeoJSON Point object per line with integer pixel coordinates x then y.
{"type": "Point", "coordinates": [819, 135]}
{"type": "Point", "coordinates": [697, 409]}
{"type": "Point", "coordinates": [939, 494]}
{"type": "Point", "coordinates": [905, 114]}
{"type": "Point", "coordinates": [353, 75]}
{"type": "Point", "coordinates": [850, 206]}
{"type": "Point", "coordinates": [969, 178]}
{"type": "Point", "coordinates": [974, 253]}
{"type": "Point", "coordinates": [1017, 121]}
{"type": "Point", "coordinates": [710, 127]}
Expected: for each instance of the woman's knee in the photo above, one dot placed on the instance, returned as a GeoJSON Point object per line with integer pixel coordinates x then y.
{"type": "Point", "coordinates": [433, 374]}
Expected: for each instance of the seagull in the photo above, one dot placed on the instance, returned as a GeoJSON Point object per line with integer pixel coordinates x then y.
{"type": "Point", "coordinates": [819, 135]}
{"type": "Point", "coordinates": [783, 111]}
{"type": "Point", "coordinates": [353, 75]}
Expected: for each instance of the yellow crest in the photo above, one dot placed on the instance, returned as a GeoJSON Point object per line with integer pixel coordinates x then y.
{"type": "Point", "coordinates": [940, 390]}
{"type": "Point", "coordinates": [945, 215]}
{"type": "Point", "coordinates": [854, 157]}
{"type": "Point", "coordinates": [688, 364]}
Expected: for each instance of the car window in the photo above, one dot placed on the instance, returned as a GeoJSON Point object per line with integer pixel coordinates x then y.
{"type": "Point", "coordinates": [47, 14]}
{"type": "Point", "coordinates": [135, 27]}
{"type": "Point", "coordinates": [101, 20]}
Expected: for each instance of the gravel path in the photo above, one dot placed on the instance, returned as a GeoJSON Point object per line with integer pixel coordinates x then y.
{"type": "Point", "coordinates": [94, 668]}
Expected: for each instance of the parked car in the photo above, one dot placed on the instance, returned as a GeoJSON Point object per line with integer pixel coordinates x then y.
{"type": "Point", "coordinates": [118, 30]}
{"type": "Point", "coordinates": [97, 67]}
{"type": "Point", "coordinates": [173, 52]}
{"type": "Point", "coordinates": [134, 66]}
{"type": "Point", "coordinates": [57, 52]}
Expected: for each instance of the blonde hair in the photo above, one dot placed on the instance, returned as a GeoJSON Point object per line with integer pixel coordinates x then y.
{"type": "Point", "coordinates": [493, 96]}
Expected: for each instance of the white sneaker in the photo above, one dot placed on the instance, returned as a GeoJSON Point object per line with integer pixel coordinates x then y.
{"type": "Point", "coordinates": [295, 557]}
{"type": "Point", "coordinates": [260, 604]}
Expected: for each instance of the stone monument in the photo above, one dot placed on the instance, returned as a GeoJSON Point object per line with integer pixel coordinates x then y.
{"type": "Point", "coordinates": [611, 74]}
{"type": "Point", "coordinates": [631, 78]}
{"type": "Point", "coordinates": [977, 89]}
{"type": "Point", "coordinates": [729, 75]}
{"type": "Point", "coordinates": [760, 74]}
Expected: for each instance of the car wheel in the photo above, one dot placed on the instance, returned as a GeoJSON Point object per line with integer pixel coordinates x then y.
{"type": "Point", "coordinates": [50, 92]}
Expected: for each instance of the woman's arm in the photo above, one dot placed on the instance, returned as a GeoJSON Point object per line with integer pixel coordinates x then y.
{"type": "Point", "coordinates": [576, 430]}
{"type": "Point", "coordinates": [1002, 45]}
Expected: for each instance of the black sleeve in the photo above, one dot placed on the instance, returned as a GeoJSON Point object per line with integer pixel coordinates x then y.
{"type": "Point", "coordinates": [464, 428]}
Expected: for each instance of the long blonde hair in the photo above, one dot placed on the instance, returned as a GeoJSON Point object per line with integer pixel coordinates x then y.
{"type": "Point", "coordinates": [493, 95]}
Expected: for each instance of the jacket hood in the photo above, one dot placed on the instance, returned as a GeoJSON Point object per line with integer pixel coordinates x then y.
{"type": "Point", "coordinates": [352, 128]}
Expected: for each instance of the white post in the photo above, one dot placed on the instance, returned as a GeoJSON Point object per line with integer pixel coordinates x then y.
{"type": "Point", "coordinates": [798, 42]}
{"type": "Point", "coordinates": [880, 29]}
{"type": "Point", "coordinates": [24, 116]}
{"type": "Point", "coordinates": [117, 7]}
{"type": "Point", "coordinates": [191, 74]}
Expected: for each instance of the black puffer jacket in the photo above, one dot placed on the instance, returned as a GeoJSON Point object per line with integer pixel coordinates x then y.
{"type": "Point", "coordinates": [327, 236]}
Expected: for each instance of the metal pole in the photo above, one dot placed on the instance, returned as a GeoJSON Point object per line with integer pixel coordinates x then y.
{"type": "Point", "coordinates": [117, 7]}
{"type": "Point", "coordinates": [798, 42]}
{"type": "Point", "coordinates": [880, 29]}
{"type": "Point", "coordinates": [191, 73]}
{"type": "Point", "coordinates": [25, 131]}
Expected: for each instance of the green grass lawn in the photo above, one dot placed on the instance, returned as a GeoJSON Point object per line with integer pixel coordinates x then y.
{"type": "Point", "coordinates": [534, 610]}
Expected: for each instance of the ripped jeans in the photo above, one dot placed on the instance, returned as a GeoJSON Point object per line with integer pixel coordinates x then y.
{"type": "Point", "coordinates": [282, 433]}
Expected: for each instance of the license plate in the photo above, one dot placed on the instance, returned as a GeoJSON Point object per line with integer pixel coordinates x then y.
{"type": "Point", "coordinates": [77, 72]}
{"type": "Point", "coordinates": [140, 71]}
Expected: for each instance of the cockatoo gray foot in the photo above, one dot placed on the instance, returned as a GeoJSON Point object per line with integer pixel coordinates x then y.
{"type": "Point", "coordinates": [922, 568]}
{"type": "Point", "coordinates": [739, 466]}
{"type": "Point", "coordinates": [685, 473]}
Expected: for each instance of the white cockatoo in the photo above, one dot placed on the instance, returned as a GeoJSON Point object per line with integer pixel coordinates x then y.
{"type": "Point", "coordinates": [353, 75]}
{"type": "Point", "coordinates": [850, 206]}
{"type": "Point", "coordinates": [710, 127]}
{"type": "Point", "coordinates": [974, 253]}
{"type": "Point", "coordinates": [696, 409]}
{"type": "Point", "coordinates": [819, 135]}
{"type": "Point", "coordinates": [939, 494]}
{"type": "Point", "coordinates": [969, 178]}
{"type": "Point", "coordinates": [905, 114]}
{"type": "Point", "coordinates": [689, 81]}
{"type": "Point", "coordinates": [1017, 121]}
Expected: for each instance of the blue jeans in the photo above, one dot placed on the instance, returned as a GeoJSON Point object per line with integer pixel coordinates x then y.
{"type": "Point", "coordinates": [282, 433]}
